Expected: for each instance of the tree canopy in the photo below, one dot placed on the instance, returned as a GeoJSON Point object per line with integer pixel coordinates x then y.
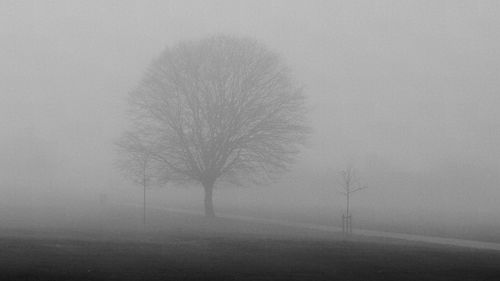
{"type": "Point", "coordinates": [219, 109]}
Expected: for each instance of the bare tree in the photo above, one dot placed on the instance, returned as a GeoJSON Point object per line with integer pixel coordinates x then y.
{"type": "Point", "coordinates": [350, 184]}
{"type": "Point", "coordinates": [219, 109]}
{"type": "Point", "coordinates": [136, 163]}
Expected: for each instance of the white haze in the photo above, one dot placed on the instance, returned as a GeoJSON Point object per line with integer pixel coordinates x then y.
{"type": "Point", "coordinates": [407, 92]}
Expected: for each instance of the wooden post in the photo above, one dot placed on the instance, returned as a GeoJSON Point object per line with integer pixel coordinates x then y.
{"type": "Point", "coordinates": [343, 223]}
{"type": "Point", "coordinates": [346, 224]}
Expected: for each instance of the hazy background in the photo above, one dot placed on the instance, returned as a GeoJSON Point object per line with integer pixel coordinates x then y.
{"type": "Point", "coordinates": [407, 92]}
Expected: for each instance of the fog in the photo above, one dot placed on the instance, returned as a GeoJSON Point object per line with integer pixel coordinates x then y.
{"type": "Point", "coordinates": [405, 92]}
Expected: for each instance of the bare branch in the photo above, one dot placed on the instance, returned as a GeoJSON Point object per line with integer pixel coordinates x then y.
{"type": "Point", "coordinates": [222, 108]}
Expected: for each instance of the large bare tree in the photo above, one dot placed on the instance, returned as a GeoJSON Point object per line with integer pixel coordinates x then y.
{"type": "Point", "coordinates": [219, 109]}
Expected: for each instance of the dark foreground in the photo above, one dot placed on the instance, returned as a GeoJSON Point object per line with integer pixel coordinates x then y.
{"type": "Point", "coordinates": [206, 257]}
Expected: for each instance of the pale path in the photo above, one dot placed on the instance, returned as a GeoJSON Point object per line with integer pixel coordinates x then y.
{"type": "Point", "coordinates": [372, 233]}
{"type": "Point", "coordinates": [432, 239]}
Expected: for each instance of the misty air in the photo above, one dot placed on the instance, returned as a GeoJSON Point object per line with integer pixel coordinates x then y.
{"type": "Point", "coordinates": [249, 140]}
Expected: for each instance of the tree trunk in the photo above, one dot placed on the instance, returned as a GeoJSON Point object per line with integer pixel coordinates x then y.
{"type": "Point", "coordinates": [209, 205]}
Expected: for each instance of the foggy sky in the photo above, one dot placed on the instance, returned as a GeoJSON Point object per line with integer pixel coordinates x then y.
{"type": "Point", "coordinates": [405, 91]}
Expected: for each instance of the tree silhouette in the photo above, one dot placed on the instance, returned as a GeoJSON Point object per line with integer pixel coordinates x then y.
{"type": "Point", "coordinates": [219, 109]}
{"type": "Point", "coordinates": [349, 183]}
{"type": "Point", "coordinates": [136, 162]}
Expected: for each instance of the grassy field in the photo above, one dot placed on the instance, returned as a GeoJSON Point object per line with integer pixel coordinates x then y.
{"type": "Point", "coordinates": [487, 229]}
{"type": "Point", "coordinates": [184, 247]}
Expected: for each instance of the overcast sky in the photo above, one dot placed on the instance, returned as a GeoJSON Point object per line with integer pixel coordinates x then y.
{"type": "Point", "coordinates": [405, 91]}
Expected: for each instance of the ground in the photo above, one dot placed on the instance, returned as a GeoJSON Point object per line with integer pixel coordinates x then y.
{"type": "Point", "coordinates": [187, 247]}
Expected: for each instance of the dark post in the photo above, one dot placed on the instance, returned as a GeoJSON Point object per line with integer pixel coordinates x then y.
{"type": "Point", "coordinates": [346, 224]}
{"type": "Point", "coordinates": [144, 183]}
